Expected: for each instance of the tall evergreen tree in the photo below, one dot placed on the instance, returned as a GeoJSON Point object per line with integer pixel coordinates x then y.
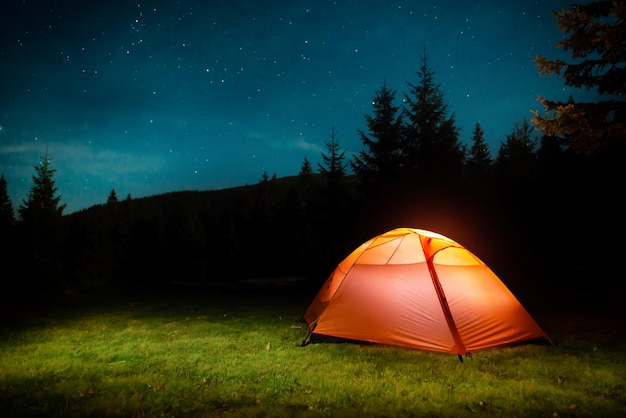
{"type": "Point", "coordinates": [7, 221]}
{"type": "Point", "coordinates": [383, 156]}
{"type": "Point", "coordinates": [516, 156]}
{"type": "Point", "coordinates": [306, 169]}
{"type": "Point", "coordinates": [305, 182]}
{"type": "Point", "coordinates": [595, 35]}
{"type": "Point", "coordinates": [42, 201]}
{"type": "Point", "coordinates": [432, 138]}
{"type": "Point", "coordinates": [332, 203]}
{"type": "Point", "coordinates": [40, 231]}
{"type": "Point", "coordinates": [479, 159]}
{"type": "Point", "coordinates": [301, 194]}
{"type": "Point", "coordinates": [333, 166]}
{"type": "Point", "coordinates": [112, 197]}
{"type": "Point", "coordinates": [7, 216]}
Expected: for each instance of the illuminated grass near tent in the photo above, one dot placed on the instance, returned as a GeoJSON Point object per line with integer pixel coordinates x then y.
{"type": "Point", "coordinates": [212, 353]}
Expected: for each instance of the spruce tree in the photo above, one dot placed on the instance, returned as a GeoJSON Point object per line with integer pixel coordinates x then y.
{"type": "Point", "coordinates": [595, 36]}
{"type": "Point", "coordinates": [383, 156]}
{"type": "Point", "coordinates": [40, 232]}
{"type": "Point", "coordinates": [333, 166]}
{"type": "Point", "coordinates": [431, 136]}
{"type": "Point", "coordinates": [305, 176]}
{"type": "Point", "coordinates": [42, 202]}
{"type": "Point", "coordinates": [306, 169]}
{"type": "Point", "coordinates": [479, 159]}
{"type": "Point", "coordinates": [7, 216]}
{"type": "Point", "coordinates": [112, 197]}
{"type": "Point", "coordinates": [516, 156]}
{"type": "Point", "coordinates": [7, 221]}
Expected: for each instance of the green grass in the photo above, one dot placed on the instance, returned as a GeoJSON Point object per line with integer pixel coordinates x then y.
{"type": "Point", "coordinates": [228, 353]}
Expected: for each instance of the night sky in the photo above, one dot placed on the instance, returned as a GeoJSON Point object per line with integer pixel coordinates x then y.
{"type": "Point", "coordinates": [150, 97]}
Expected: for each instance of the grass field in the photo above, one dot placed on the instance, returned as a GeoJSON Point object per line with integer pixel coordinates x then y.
{"type": "Point", "coordinates": [205, 352]}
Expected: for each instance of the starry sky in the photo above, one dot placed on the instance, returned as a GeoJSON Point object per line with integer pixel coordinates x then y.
{"type": "Point", "coordinates": [156, 96]}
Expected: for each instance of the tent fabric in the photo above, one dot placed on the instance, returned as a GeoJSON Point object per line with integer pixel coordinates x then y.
{"type": "Point", "coordinates": [419, 289]}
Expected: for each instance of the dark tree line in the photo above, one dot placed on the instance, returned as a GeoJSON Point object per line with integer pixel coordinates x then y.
{"type": "Point", "coordinates": [536, 199]}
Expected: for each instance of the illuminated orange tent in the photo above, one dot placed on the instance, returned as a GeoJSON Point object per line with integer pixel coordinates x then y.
{"type": "Point", "coordinates": [418, 289]}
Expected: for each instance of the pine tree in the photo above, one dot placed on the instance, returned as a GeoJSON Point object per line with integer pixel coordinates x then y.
{"type": "Point", "coordinates": [596, 39]}
{"type": "Point", "coordinates": [383, 156]}
{"type": "Point", "coordinates": [112, 197]}
{"type": "Point", "coordinates": [7, 216]}
{"type": "Point", "coordinates": [516, 156]}
{"type": "Point", "coordinates": [306, 169]}
{"type": "Point", "coordinates": [479, 159]}
{"type": "Point", "coordinates": [42, 201]}
{"type": "Point", "coordinates": [7, 221]}
{"type": "Point", "coordinates": [40, 231]}
{"type": "Point", "coordinates": [333, 167]}
{"type": "Point", "coordinates": [432, 138]}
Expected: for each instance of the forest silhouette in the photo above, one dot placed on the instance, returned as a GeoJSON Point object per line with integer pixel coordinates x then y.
{"type": "Point", "coordinates": [547, 231]}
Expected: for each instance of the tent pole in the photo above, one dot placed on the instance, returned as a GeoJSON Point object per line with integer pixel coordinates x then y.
{"type": "Point", "coordinates": [429, 253]}
{"type": "Point", "coordinates": [446, 309]}
{"type": "Point", "coordinates": [311, 329]}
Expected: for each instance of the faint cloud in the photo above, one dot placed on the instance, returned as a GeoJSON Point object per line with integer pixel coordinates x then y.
{"type": "Point", "coordinates": [299, 143]}
{"type": "Point", "coordinates": [14, 149]}
{"type": "Point", "coordinates": [89, 160]}
{"type": "Point", "coordinates": [303, 144]}
{"type": "Point", "coordinates": [84, 159]}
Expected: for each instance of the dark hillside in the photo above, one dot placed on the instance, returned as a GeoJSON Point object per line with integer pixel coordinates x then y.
{"type": "Point", "coordinates": [279, 227]}
{"type": "Point", "coordinates": [545, 237]}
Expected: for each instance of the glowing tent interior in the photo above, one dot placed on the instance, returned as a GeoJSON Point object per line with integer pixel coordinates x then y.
{"type": "Point", "coordinates": [419, 289]}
